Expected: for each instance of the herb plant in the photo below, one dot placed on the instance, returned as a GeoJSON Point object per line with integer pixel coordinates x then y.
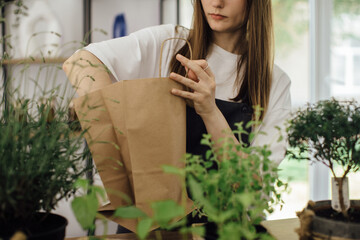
{"type": "Point", "coordinates": [40, 159]}
{"type": "Point", "coordinates": [85, 210]}
{"type": "Point", "coordinates": [237, 195]}
{"type": "Point", "coordinates": [328, 132]}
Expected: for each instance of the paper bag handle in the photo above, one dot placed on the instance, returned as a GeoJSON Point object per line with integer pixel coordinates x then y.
{"type": "Point", "coordinates": [161, 52]}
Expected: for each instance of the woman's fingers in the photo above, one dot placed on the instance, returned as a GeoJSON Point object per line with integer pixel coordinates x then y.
{"type": "Point", "coordinates": [183, 94]}
{"type": "Point", "coordinates": [202, 82]}
{"type": "Point", "coordinates": [197, 66]}
{"type": "Point", "coordinates": [185, 81]}
{"type": "Point", "coordinates": [190, 74]}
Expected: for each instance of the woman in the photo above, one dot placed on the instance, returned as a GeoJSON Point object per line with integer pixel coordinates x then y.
{"type": "Point", "coordinates": [232, 42]}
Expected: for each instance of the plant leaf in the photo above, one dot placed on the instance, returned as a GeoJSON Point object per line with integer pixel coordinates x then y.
{"type": "Point", "coordinates": [143, 227]}
{"type": "Point", "coordinates": [129, 212]}
{"type": "Point", "coordinates": [85, 210]}
{"type": "Point", "coordinates": [173, 170]}
{"type": "Point", "coordinates": [165, 211]}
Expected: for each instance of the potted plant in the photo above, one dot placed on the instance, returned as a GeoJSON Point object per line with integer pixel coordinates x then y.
{"type": "Point", "coordinates": [244, 187]}
{"type": "Point", "coordinates": [329, 132]}
{"type": "Point", "coordinates": [40, 159]}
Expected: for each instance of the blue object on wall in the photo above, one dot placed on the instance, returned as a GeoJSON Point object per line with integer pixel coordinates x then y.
{"type": "Point", "coordinates": [119, 26]}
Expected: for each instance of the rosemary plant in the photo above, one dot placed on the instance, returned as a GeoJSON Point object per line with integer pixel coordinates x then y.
{"type": "Point", "coordinates": [40, 159]}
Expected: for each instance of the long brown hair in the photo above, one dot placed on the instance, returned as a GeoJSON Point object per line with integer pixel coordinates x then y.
{"type": "Point", "coordinates": [256, 48]}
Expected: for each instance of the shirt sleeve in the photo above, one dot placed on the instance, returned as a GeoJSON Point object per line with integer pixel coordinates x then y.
{"type": "Point", "coordinates": [137, 55]}
{"type": "Point", "coordinates": [272, 131]}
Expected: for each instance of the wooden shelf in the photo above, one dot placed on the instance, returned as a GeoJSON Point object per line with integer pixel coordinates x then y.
{"type": "Point", "coordinates": [33, 61]}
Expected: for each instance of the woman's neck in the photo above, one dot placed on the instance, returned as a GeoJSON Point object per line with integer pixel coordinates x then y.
{"type": "Point", "coordinates": [227, 41]}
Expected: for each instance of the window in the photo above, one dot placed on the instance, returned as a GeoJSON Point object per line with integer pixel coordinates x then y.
{"type": "Point", "coordinates": [357, 71]}
{"type": "Point", "coordinates": [345, 49]}
{"type": "Point", "coordinates": [292, 54]}
{"type": "Point", "coordinates": [186, 13]}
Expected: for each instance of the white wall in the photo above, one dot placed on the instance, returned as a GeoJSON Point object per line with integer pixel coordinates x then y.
{"type": "Point", "coordinates": [65, 13]}
{"type": "Point", "coordinates": [169, 12]}
{"type": "Point", "coordinates": [138, 14]}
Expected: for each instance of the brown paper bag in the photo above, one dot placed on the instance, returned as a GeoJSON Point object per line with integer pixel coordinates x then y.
{"type": "Point", "coordinates": [141, 125]}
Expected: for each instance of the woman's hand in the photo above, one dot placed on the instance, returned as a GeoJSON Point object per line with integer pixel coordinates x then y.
{"type": "Point", "coordinates": [202, 83]}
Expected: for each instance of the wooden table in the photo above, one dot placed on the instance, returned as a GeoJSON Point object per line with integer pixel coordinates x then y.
{"type": "Point", "coordinates": [165, 235]}
{"type": "Point", "coordinates": [280, 229]}
{"type": "Point", "coordinates": [283, 229]}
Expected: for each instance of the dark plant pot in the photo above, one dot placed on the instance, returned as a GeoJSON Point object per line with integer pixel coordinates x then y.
{"type": "Point", "coordinates": [328, 224]}
{"type": "Point", "coordinates": [211, 230]}
{"type": "Point", "coordinates": [52, 227]}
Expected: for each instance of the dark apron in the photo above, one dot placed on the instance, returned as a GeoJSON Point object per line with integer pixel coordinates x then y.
{"type": "Point", "coordinates": [195, 128]}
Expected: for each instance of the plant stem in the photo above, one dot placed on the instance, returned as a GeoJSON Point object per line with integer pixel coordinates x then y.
{"type": "Point", "coordinates": [340, 188]}
{"type": "Point", "coordinates": [347, 171]}
{"type": "Point", "coordinates": [341, 197]}
{"type": "Point", "coordinates": [158, 235]}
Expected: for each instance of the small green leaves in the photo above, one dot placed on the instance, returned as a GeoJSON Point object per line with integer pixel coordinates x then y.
{"type": "Point", "coordinates": [82, 183]}
{"type": "Point", "coordinates": [85, 207]}
{"type": "Point", "coordinates": [85, 210]}
{"type": "Point", "coordinates": [173, 170]}
{"type": "Point", "coordinates": [196, 230]}
{"type": "Point", "coordinates": [166, 211]}
{"type": "Point", "coordinates": [143, 228]}
{"type": "Point", "coordinates": [208, 154]}
{"type": "Point", "coordinates": [246, 199]}
{"type": "Point", "coordinates": [130, 212]}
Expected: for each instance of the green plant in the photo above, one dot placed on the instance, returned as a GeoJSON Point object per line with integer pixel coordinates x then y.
{"type": "Point", "coordinates": [237, 194]}
{"type": "Point", "coordinates": [85, 209]}
{"type": "Point", "coordinates": [328, 132]}
{"type": "Point", "coordinates": [85, 206]}
{"type": "Point", "coordinates": [40, 159]}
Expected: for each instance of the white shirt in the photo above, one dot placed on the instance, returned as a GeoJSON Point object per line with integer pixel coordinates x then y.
{"type": "Point", "coordinates": [138, 55]}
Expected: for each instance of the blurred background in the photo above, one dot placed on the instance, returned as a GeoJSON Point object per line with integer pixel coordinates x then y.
{"type": "Point", "coordinates": [317, 45]}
